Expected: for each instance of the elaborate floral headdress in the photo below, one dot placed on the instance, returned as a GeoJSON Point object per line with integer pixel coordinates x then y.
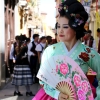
{"type": "Point", "coordinates": [78, 19]}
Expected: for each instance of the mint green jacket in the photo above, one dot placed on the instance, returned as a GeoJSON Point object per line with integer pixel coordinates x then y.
{"type": "Point", "coordinates": [60, 49]}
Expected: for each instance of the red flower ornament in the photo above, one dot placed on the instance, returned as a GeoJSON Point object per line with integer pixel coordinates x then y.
{"type": "Point", "coordinates": [88, 50]}
{"type": "Point", "coordinates": [84, 56]}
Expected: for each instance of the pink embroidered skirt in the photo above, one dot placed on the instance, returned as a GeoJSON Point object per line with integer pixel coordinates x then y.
{"type": "Point", "coordinates": [41, 95]}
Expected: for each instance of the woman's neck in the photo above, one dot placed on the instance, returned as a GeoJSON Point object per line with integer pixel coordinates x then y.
{"type": "Point", "coordinates": [70, 44]}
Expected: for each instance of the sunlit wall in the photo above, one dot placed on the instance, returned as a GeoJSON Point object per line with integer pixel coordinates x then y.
{"type": "Point", "coordinates": [2, 36]}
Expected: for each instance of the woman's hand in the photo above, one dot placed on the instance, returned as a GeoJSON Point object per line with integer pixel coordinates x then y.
{"type": "Point", "coordinates": [62, 96]}
{"type": "Point", "coordinates": [23, 57]}
{"type": "Point", "coordinates": [14, 60]}
{"type": "Point", "coordinates": [41, 85]}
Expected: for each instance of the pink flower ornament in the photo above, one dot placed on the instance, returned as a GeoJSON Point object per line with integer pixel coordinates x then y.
{"type": "Point", "coordinates": [90, 97]}
{"type": "Point", "coordinates": [84, 86]}
{"type": "Point", "coordinates": [77, 80]}
{"type": "Point", "coordinates": [81, 95]}
{"type": "Point", "coordinates": [64, 69]}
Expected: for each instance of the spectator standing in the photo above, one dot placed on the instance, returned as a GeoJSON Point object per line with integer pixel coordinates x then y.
{"type": "Point", "coordinates": [49, 40]}
{"type": "Point", "coordinates": [98, 35]}
{"type": "Point", "coordinates": [32, 54]}
{"type": "Point", "coordinates": [40, 48]}
{"type": "Point", "coordinates": [89, 40]}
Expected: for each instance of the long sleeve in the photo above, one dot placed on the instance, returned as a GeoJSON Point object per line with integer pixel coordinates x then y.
{"type": "Point", "coordinates": [94, 63]}
{"type": "Point", "coordinates": [12, 52]}
{"type": "Point", "coordinates": [48, 89]}
{"type": "Point", "coordinates": [29, 49]}
{"type": "Point", "coordinates": [94, 45]}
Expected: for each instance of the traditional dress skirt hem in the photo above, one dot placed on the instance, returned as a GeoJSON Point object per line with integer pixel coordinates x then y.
{"type": "Point", "coordinates": [22, 75]}
{"type": "Point", "coordinates": [41, 95]}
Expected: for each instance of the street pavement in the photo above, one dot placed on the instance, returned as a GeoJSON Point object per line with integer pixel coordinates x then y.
{"type": "Point", "coordinates": [7, 92]}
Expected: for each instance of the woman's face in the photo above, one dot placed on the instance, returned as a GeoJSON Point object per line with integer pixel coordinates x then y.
{"type": "Point", "coordinates": [65, 33]}
{"type": "Point", "coordinates": [98, 34]}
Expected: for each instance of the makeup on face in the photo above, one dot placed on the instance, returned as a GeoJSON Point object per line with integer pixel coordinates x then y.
{"type": "Point", "coordinates": [61, 35]}
{"type": "Point", "coordinates": [64, 26]}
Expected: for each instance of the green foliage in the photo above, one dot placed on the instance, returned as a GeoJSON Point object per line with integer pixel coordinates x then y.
{"type": "Point", "coordinates": [60, 73]}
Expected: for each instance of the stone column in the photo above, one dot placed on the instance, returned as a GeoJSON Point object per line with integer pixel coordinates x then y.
{"type": "Point", "coordinates": [2, 39]}
{"type": "Point", "coordinates": [17, 21]}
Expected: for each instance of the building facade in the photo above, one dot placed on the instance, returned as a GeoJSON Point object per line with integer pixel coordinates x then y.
{"type": "Point", "coordinates": [2, 41]}
{"type": "Point", "coordinates": [7, 35]}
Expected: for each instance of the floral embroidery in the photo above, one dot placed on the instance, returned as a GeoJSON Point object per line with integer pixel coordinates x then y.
{"type": "Point", "coordinates": [63, 69]}
{"type": "Point", "coordinates": [77, 80]}
{"type": "Point", "coordinates": [83, 89]}
{"type": "Point", "coordinates": [84, 86]}
{"type": "Point", "coordinates": [90, 97]}
{"type": "Point", "coordinates": [92, 55]}
{"type": "Point", "coordinates": [88, 50]}
{"type": "Point", "coordinates": [81, 95]}
{"type": "Point", "coordinates": [84, 56]}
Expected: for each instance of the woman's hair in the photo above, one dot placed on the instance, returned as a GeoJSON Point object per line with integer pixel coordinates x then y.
{"type": "Point", "coordinates": [76, 14]}
{"type": "Point", "coordinates": [18, 48]}
{"type": "Point", "coordinates": [56, 25]}
{"type": "Point", "coordinates": [42, 38]}
{"type": "Point", "coordinates": [98, 30]}
{"type": "Point", "coordinates": [35, 35]}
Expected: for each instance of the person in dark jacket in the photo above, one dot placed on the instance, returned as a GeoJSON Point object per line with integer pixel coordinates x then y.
{"type": "Point", "coordinates": [32, 55]}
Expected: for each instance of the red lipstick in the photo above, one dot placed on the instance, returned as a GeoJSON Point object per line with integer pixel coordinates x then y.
{"type": "Point", "coordinates": [61, 35]}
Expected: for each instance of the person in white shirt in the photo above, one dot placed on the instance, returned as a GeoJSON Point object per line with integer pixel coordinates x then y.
{"type": "Point", "coordinates": [32, 54]}
{"type": "Point", "coordinates": [12, 56]}
{"type": "Point", "coordinates": [40, 48]}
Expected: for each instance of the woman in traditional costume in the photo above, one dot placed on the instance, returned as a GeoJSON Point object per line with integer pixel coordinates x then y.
{"type": "Point", "coordinates": [22, 74]}
{"type": "Point", "coordinates": [70, 29]}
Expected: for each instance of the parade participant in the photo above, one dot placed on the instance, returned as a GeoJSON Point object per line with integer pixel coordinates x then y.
{"type": "Point", "coordinates": [32, 54]}
{"type": "Point", "coordinates": [90, 40]}
{"type": "Point", "coordinates": [12, 56]}
{"type": "Point", "coordinates": [22, 73]}
{"type": "Point", "coordinates": [70, 29]}
{"type": "Point", "coordinates": [40, 48]}
{"type": "Point", "coordinates": [49, 41]}
{"type": "Point", "coordinates": [98, 35]}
